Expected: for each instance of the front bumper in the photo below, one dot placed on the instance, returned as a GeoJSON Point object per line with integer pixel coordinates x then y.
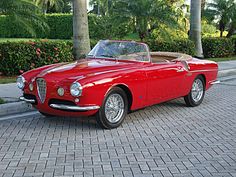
{"type": "Point", "coordinates": [32, 101]}
{"type": "Point", "coordinates": [214, 82]}
{"type": "Point", "coordinates": [73, 108]}
{"type": "Point", "coordinates": [63, 107]}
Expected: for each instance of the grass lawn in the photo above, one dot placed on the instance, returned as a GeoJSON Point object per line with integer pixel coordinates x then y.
{"type": "Point", "coordinates": [222, 59]}
{"type": "Point", "coordinates": [6, 80]}
{"type": "Point", "coordinates": [28, 39]}
{"type": "Point", "coordinates": [14, 39]}
{"type": "Point", "coordinates": [2, 101]}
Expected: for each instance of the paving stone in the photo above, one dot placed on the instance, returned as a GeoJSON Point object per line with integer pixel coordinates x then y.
{"type": "Point", "coordinates": [168, 139]}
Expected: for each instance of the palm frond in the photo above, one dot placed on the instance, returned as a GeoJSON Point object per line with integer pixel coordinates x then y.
{"type": "Point", "coordinates": [24, 13]}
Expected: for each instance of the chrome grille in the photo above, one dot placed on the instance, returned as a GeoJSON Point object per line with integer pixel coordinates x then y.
{"type": "Point", "coordinates": [41, 87]}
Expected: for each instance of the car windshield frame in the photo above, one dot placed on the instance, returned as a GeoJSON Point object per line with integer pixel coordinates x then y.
{"type": "Point", "coordinates": [144, 56]}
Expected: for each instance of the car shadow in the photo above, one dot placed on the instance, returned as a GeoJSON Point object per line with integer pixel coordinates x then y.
{"type": "Point", "coordinates": [75, 122]}
{"type": "Point", "coordinates": [89, 123]}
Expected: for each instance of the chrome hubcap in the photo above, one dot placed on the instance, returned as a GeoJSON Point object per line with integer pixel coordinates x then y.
{"type": "Point", "coordinates": [114, 108]}
{"type": "Point", "coordinates": [197, 90]}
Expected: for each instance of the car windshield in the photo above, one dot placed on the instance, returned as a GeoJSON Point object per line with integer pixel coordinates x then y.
{"type": "Point", "coordinates": [120, 50]}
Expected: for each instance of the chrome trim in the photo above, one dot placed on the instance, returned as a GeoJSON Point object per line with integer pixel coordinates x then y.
{"type": "Point", "coordinates": [41, 89]}
{"type": "Point", "coordinates": [206, 70]}
{"type": "Point", "coordinates": [74, 108]}
{"type": "Point", "coordinates": [214, 82]}
{"type": "Point", "coordinates": [180, 70]}
{"type": "Point", "coordinates": [27, 100]}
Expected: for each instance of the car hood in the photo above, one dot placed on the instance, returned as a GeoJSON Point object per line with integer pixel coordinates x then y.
{"type": "Point", "coordinates": [84, 68]}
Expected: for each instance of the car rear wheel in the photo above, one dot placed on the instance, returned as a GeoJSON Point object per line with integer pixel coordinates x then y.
{"type": "Point", "coordinates": [113, 110]}
{"type": "Point", "coordinates": [197, 93]}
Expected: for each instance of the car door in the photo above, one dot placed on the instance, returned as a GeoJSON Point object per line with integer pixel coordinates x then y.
{"type": "Point", "coordinates": [164, 81]}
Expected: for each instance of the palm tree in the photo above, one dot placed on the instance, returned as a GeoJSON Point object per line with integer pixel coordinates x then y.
{"type": "Point", "coordinates": [203, 4]}
{"type": "Point", "coordinates": [223, 11]}
{"type": "Point", "coordinates": [145, 14]}
{"type": "Point", "coordinates": [44, 4]}
{"type": "Point", "coordinates": [195, 26]}
{"type": "Point", "coordinates": [81, 43]}
{"type": "Point", "coordinates": [101, 7]}
{"type": "Point", "coordinates": [232, 26]}
{"type": "Point", "coordinates": [25, 13]}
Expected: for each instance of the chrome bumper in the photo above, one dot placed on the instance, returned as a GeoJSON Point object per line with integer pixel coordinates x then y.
{"type": "Point", "coordinates": [73, 108]}
{"type": "Point", "coordinates": [27, 100]}
{"type": "Point", "coordinates": [215, 82]}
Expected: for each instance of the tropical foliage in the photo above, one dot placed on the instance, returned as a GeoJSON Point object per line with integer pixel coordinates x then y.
{"type": "Point", "coordinates": [142, 16]}
{"type": "Point", "coordinates": [224, 13]}
{"type": "Point", "coordinates": [54, 6]}
{"type": "Point", "coordinates": [24, 13]}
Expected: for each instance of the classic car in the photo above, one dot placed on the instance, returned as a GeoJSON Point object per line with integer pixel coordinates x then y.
{"type": "Point", "coordinates": [115, 78]}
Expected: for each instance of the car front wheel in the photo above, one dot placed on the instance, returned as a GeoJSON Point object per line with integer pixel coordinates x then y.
{"type": "Point", "coordinates": [113, 110]}
{"type": "Point", "coordinates": [196, 95]}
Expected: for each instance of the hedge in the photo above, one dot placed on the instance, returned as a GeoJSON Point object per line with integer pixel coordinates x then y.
{"type": "Point", "coordinates": [218, 47]}
{"type": "Point", "coordinates": [181, 46]}
{"type": "Point", "coordinates": [234, 41]}
{"type": "Point", "coordinates": [60, 28]}
{"type": "Point", "coordinates": [212, 47]}
{"type": "Point", "coordinates": [17, 57]}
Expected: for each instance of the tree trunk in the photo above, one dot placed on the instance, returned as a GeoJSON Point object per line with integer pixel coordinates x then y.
{"type": "Point", "coordinates": [231, 31]}
{"type": "Point", "coordinates": [195, 27]}
{"type": "Point", "coordinates": [203, 4]}
{"type": "Point", "coordinates": [81, 42]}
{"type": "Point", "coordinates": [221, 33]}
{"type": "Point", "coordinates": [45, 7]}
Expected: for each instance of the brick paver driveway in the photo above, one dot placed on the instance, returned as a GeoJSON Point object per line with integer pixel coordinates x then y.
{"type": "Point", "coordinates": [163, 140]}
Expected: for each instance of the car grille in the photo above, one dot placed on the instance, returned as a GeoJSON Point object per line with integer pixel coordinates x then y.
{"type": "Point", "coordinates": [41, 87]}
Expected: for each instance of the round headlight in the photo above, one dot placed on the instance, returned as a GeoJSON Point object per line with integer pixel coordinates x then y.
{"type": "Point", "coordinates": [20, 82]}
{"type": "Point", "coordinates": [76, 89]}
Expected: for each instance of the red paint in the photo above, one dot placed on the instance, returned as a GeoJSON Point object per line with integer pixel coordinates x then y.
{"type": "Point", "coordinates": [148, 82]}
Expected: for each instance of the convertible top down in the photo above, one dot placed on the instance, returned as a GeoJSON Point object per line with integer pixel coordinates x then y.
{"type": "Point", "coordinates": [116, 77]}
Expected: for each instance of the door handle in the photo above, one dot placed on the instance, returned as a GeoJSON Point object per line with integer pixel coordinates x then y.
{"type": "Point", "coordinates": [180, 70]}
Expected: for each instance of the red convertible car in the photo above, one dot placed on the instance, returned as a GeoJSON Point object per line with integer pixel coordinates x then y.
{"type": "Point", "coordinates": [115, 78]}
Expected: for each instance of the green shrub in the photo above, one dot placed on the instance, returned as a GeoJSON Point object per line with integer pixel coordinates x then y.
{"type": "Point", "coordinates": [107, 27]}
{"type": "Point", "coordinates": [16, 57]}
{"type": "Point", "coordinates": [61, 27]}
{"type": "Point", "coordinates": [2, 101]}
{"type": "Point", "coordinates": [165, 33]}
{"type": "Point", "coordinates": [218, 47]}
{"type": "Point", "coordinates": [181, 46]}
{"type": "Point", "coordinates": [234, 41]}
{"type": "Point", "coordinates": [10, 29]}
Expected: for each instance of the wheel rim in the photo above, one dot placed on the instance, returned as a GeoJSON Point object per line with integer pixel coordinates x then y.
{"type": "Point", "coordinates": [114, 108]}
{"type": "Point", "coordinates": [197, 90]}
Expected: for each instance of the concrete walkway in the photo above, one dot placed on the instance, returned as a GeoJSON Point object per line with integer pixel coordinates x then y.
{"type": "Point", "coordinates": [10, 92]}
{"type": "Point", "coordinates": [225, 65]}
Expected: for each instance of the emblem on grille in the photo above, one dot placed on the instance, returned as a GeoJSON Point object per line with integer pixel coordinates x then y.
{"type": "Point", "coordinates": [41, 87]}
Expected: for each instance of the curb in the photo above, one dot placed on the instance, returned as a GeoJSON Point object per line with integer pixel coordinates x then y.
{"type": "Point", "coordinates": [15, 108]}
{"type": "Point", "coordinates": [228, 72]}
{"type": "Point", "coordinates": [21, 115]}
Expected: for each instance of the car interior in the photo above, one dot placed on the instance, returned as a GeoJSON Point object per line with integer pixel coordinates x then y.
{"type": "Point", "coordinates": [160, 57]}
